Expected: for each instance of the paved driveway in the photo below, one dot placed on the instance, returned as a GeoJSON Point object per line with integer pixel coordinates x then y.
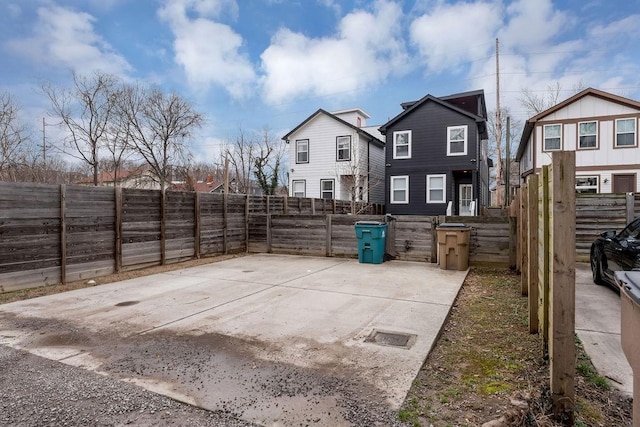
{"type": "Point", "coordinates": [271, 339]}
{"type": "Point", "coordinates": [598, 327]}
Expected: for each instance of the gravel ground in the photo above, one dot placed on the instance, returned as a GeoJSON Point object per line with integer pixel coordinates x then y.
{"type": "Point", "coordinates": [40, 392]}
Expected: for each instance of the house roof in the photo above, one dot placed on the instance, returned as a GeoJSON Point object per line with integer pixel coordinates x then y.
{"type": "Point", "coordinates": [531, 123]}
{"type": "Point", "coordinates": [409, 107]}
{"type": "Point", "coordinates": [360, 131]}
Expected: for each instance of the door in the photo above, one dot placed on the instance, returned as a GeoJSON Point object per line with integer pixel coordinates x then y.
{"type": "Point", "coordinates": [624, 183]}
{"type": "Point", "coordinates": [465, 197]}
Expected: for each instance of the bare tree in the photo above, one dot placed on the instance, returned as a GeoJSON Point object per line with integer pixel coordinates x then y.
{"type": "Point", "coordinates": [85, 112]}
{"type": "Point", "coordinates": [241, 156]}
{"type": "Point", "coordinates": [501, 153]}
{"type": "Point", "coordinates": [268, 162]}
{"type": "Point", "coordinates": [15, 142]}
{"type": "Point", "coordinates": [160, 127]}
{"type": "Point", "coordinates": [536, 103]}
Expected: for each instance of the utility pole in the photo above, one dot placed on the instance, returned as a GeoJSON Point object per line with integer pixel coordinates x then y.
{"type": "Point", "coordinates": [499, 198]}
{"type": "Point", "coordinates": [507, 176]}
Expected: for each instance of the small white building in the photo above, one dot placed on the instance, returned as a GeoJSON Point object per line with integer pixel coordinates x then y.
{"type": "Point", "coordinates": [600, 127]}
{"type": "Point", "coordinates": [336, 156]}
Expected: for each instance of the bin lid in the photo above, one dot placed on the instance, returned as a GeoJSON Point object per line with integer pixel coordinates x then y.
{"type": "Point", "coordinates": [452, 225]}
{"type": "Point", "coordinates": [370, 223]}
{"type": "Point", "coordinates": [629, 282]}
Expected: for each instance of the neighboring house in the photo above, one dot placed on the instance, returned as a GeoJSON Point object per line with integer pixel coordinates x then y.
{"type": "Point", "coordinates": [336, 156]}
{"type": "Point", "coordinates": [601, 127]}
{"type": "Point", "coordinates": [436, 157]}
{"type": "Point", "coordinates": [134, 178]}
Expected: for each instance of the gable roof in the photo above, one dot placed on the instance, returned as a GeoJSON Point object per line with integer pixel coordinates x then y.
{"type": "Point", "coordinates": [360, 131]}
{"type": "Point", "coordinates": [409, 107]}
{"type": "Point", "coordinates": [531, 123]}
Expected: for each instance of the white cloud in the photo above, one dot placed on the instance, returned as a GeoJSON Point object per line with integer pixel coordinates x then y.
{"type": "Point", "coordinates": [454, 34]}
{"type": "Point", "coordinates": [65, 38]}
{"type": "Point", "coordinates": [210, 52]}
{"type": "Point", "coordinates": [366, 50]}
{"type": "Point", "coordinates": [533, 24]}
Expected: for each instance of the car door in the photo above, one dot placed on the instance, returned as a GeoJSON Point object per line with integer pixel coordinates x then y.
{"type": "Point", "coordinates": [621, 251]}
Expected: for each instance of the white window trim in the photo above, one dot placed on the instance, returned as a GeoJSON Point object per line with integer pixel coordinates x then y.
{"type": "Point", "coordinates": [466, 140]}
{"type": "Point", "coordinates": [408, 156]}
{"type": "Point", "coordinates": [306, 141]}
{"type": "Point", "coordinates": [596, 135]}
{"type": "Point", "coordinates": [597, 186]}
{"type": "Point", "coordinates": [544, 137]}
{"type": "Point", "coordinates": [333, 188]}
{"type": "Point", "coordinates": [635, 133]}
{"type": "Point", "coordinates": [304, 187]}
{"type": "Point", "coordinates": [444, 188]}
{"type": "Point", "coordinates": [404, 178]}
{"type": "Point", "coordinates": [348, 138]}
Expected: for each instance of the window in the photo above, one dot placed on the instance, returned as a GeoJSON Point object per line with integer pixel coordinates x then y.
{"type": "Point", "coordinates": [552, 137]}
{"type": "Point", "coordinates": [302, 151]}
{"type": "Point", "coordinates": [587, 135]}
{"type": "Point", "coordinates": [456, 140]}
{"type": "Point", "coordinates": [625, 132]}
{"type": "Point", "coordinates": [402, 144]}
{"type": "Point", "coordinates": [326, 188]}
{"type": "Point", "coordinates": [586, 184]}
{"type": "Point", "coordinates": [343, 148]}
{"type": "Point", "coordinates": [399, 189]}
{"type": "Point", "coordinates": [299, 188]}
{"type": "Point", "coordinates": [436, 188]}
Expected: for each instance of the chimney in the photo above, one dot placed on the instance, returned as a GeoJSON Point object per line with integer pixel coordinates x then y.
{"type": "Point", "coordinates": [209, 179]}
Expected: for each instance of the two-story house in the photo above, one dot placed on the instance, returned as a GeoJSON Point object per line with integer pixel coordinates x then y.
{"type": "Point", "coordinates": [436, 157]}
{"type": "Point", "coordinates": [600, 127]}
{"type": "Point", "coordinates": [336, 156]}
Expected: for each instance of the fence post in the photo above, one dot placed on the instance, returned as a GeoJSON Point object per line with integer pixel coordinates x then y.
{"type": "Point", "coordinates": [434, 239]}
{"type": "Point", "coordinates": [163, 227]}
{"type": "Point", "coordinates": [513, 230]}
{"type": "Point", "coordinates": [285, 201]}
{"type": "Point", "coordinates": [224, 222]}
{"type": "Point", "coordinates": [543, 256]}
{"type": "Point", "coordinates": [562, 351]}
{"type": "Point", "coordinates": [246, 222]}
{"type": "Point", "coordinates": [329, 236]}
{"type": "Point", "coordinates": [519, 236]}
{"type": "Point", "coordinates": [524, 239]}
{"type": "Point", "coordinates": [313, 206]}
{"type": "Point", "coordinates": [118, 229]}
{"type": "Point", "coordinates": [532, 241]}
{"type": "Point", "coordinates": [63, 234]}
{"type": "Point", "coordinates": [630, 210]}
{"type": "Point", "coordinates": [268, 233]}
{"type": "Point", "coordinates": [196, 216]}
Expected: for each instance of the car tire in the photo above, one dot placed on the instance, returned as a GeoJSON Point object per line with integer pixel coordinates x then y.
{"type": "Point", "coordinates": [596, 266]}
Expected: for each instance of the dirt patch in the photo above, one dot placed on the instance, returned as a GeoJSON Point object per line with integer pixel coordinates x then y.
{"type": "Point", "coordinates": [486, 365]}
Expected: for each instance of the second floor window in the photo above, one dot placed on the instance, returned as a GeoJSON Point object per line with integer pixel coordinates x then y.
{"type": "Point", "coordinates": [626, 132]}
{"type": "Point", "coordinates": [302, 151]}
{"type": "Point", "coordinates": [343, 148]}
{"type": "Point", "coordinates": [456, 140]}
{"type": "Point", "coordinates": [552, 137]}
{"type": "Point", "coordinates": [587, 135]}
{"type": "Point", "coordinates": [402, 144]}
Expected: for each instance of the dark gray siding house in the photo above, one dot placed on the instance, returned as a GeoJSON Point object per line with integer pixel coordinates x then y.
{"type": "Point", "coordinates": [436, 156]}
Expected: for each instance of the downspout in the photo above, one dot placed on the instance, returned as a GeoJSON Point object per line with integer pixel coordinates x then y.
{"type": "Point", "coordinates": [368, 171]}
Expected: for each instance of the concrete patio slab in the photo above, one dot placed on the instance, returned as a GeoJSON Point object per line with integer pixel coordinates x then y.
{"type": "Point", "coordinates": [220, 335]}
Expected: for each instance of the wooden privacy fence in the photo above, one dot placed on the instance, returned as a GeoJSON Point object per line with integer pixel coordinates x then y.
{"type": "Point", "coordinates": [548, 256]}
{"type": "Point", "coordinates": [51, 234]}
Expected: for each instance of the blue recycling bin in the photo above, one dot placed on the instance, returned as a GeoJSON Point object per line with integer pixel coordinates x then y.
{"type": "Point", "coordinates": [371, 241]}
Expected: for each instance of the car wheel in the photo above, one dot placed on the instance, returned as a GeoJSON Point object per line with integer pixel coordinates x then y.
{"type": "Point", "coordinates": [596, 266]}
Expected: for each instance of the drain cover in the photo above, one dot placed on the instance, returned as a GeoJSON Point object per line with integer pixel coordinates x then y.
{"type": "Point", "coordinates": [393, 339]}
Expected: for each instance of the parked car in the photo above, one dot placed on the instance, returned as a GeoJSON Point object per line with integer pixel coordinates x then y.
{"type": "Point", "coordinates": [614, 251]}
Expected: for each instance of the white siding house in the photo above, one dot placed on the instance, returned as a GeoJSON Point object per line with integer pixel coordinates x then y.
{"type": "Point", "coordinates": [335, 156]}
{"type": "Point", "coordinates": [600, 127]}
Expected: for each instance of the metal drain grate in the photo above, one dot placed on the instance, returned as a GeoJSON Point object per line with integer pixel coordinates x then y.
{"type": "Point", "coordinates": [393, 339]}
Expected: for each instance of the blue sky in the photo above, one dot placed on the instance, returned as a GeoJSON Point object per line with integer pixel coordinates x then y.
{"type": "Point", "coordinates": [254, 63]}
